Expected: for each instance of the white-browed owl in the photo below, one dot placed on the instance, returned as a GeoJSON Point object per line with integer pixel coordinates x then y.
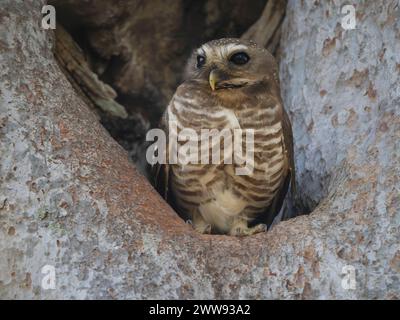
{"type": "Point", "coordinates": [234, 84]}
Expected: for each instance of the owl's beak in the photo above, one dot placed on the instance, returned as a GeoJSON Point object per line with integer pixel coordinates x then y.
{"type": "Point", "coordinates": [219, 79]}
{"type": "Point", "coordinates": [213, 79]}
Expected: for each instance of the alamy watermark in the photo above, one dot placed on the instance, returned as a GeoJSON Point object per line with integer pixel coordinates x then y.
{"type": "Point", "coordinates": [348, 21]}
{"type": "Point", "coordinates": [189, 146]}
{"type": "Point", "coordinates": [349, 277]}
{"type": "Point", "coordinates": [49, 18]}
{"type": "Point", "coordinates": [49, 278]}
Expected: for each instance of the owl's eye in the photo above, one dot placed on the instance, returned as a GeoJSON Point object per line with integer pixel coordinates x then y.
{"type": "Point", "coordinates": [201, 60]}
{"type": "Point", "coordinates": [239, 58]}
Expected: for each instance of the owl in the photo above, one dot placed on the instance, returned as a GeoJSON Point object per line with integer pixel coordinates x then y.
{"type": "Point", "coordinates": [230, 84]}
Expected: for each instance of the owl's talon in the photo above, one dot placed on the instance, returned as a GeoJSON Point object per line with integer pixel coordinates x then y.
{"type": "Point", "coordinates": [189, 222]}
{"type": "Point", "coordinates": [241, 231]}
{"type": "Point", "coordinates": [259, 228]}
{"type": "Point", "coordinates": [204, 229]}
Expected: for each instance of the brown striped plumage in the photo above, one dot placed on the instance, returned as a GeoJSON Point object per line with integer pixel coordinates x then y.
{"type": "Point", "coordinates": [246, 96]}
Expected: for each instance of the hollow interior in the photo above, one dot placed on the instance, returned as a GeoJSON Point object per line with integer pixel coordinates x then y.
{"type": "Point", "coordinates": [137, 88]}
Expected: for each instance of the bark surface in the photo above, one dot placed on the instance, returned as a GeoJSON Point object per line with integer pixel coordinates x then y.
{"type": "Point", "coordinates": [70, 198]}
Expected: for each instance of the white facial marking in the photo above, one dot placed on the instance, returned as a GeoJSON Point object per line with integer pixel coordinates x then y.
{"type": "Point", "coordinates": [221, 51]}
{"type": "Point", "coordinates": [235, 47]}
{"type": "Point", "coordinates": [206, 50]}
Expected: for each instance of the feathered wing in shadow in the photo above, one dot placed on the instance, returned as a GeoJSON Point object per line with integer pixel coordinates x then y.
{"type": "Point", "coordinates": [160, 171]}
{"type": "Point", "coordinates": [288, 183]}
{"type": "Point", "coordinates": [161, 177]}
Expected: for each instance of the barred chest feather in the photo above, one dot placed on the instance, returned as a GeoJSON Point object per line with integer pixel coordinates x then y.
{"type": "Point", "coordinates": [215, 190]}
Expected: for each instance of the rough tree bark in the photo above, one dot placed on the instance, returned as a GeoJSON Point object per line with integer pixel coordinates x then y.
{"type": "Point", "coordinates": [70, 198]}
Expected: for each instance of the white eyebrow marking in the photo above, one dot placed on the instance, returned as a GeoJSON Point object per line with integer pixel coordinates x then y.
{"type": "Point", "coordinates": [221, 52]}
{"type": "Point", "coordinates": [200, 51]}
{"type": "Point", "coordinates": [205, 50]}
{"type": "Point", "coordinates": [226, 50]}
{"type": "Point", "coordinates": [234, 47]}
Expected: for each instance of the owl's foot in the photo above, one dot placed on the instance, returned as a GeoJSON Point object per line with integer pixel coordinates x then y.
{"type": "Point", "coordinates": [240, 230]}
{"type": "Point", "coordinates": [200, 226]}
{"type": "Point", "coordinates": [203, 228]}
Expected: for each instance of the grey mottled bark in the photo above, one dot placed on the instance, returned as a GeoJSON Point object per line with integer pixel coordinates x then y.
{"type": "Point", "coordinates": [70, 198]}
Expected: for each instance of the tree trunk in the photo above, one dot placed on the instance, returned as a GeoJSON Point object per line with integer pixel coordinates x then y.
{"type": "Point", "coordinates": [70, 198]}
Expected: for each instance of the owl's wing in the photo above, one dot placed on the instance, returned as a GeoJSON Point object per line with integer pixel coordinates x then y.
{"type": "Point", "coordinates": [289, 181]}
{"type": "Point", "coordinates": [160, 172]}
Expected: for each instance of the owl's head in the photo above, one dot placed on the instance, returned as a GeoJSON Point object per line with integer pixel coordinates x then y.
{"type": "Point", "coordinates": [229, 64]}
